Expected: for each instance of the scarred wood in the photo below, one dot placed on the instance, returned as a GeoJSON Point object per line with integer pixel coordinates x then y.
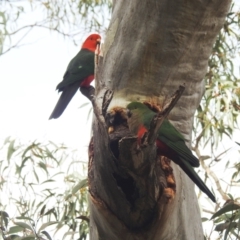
{"type": "Point", "coordinates": [151, 48]}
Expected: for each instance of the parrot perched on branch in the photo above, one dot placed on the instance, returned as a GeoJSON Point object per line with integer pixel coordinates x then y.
{"type": "Point", "coordinates": [170, 143]}
{"type": "Point", "coordinates": [79, 73]}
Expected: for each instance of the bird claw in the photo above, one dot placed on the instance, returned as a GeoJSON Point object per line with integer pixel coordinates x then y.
{"type": "Point", "coordinates": [88, 92]}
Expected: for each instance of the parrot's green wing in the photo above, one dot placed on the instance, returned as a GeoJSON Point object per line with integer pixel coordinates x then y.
{"type": "Point", "coordinates": [79, 68]}
{"type": "Point", "coordinates": [174, 140]}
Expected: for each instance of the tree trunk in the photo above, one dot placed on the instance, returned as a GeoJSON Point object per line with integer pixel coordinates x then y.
{"type": "Point", "coordinates": [152, 47]}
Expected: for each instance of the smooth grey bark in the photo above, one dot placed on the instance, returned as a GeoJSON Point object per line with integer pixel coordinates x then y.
{"type": "Point", "coordinates": [151, 48]}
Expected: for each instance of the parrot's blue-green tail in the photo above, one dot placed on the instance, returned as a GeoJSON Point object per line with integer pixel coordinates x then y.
{"type": "Point", "coordinates": [186, 167]}
{"type": "Point", "coordinates": [64, 100]}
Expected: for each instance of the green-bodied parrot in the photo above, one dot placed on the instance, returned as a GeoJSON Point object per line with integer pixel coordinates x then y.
{"type": "Point", "coordinates": [79, 73]}
{"type": "Point", "coordinates": [170, 143]}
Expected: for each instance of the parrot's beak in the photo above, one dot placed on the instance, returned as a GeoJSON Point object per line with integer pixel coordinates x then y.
{"type": "Point", "coordinates": [99, 41]}
{"type": "Point", "coordinates": [97, 51]}
{"type": "Point", "coordinates": [129, 113]}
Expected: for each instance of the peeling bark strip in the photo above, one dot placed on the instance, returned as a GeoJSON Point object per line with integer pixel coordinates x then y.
{"type": "Point", "coordinates": [122, 178]}
{"type": "Point", "coordinates": [133, 180]}
{"type": "Point", "coordinates": [151, 48]}
{"type": "Point", "coordinates": [129, 179]}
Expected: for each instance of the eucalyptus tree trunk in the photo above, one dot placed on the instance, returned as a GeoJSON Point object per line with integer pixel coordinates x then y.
{"type": "Point", "coordinates": [151, 48]}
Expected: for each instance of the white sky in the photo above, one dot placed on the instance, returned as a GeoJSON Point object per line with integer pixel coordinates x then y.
{"type": "Point", "coordinates": [28, 79]}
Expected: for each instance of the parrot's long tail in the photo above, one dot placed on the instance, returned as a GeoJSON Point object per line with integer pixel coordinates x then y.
{"type": "Point", "coordinates": [195, 178]}
{"type": "Point", "coordinates": [64, 100]}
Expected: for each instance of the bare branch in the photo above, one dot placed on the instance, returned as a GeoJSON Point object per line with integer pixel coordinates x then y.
{"type": "Point", "coordinates": [29, 28]}
{"type": "Point", "coordinates": [159, 118]}
{"type": "Point", "coordinates": [207, 211]}
{"type": "Point", "coordinates": [85, 218]}
{"type": "Point", "coordinates": [99, 110]}
{"type": "Point", "coordinates": [106, 101]}
{"type": "Point", "coordinates": [17, 44]}
{"type": "Point", "coordinates": [212, 174]}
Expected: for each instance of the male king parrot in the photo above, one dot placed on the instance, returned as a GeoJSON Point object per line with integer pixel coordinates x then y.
{"type": "Point", "coordinates": [79, 73]}
{"type": "Point", "coordinates": [170, 143]}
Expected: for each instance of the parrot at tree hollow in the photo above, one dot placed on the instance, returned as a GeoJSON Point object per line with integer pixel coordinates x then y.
{"type": "Point", "coordinates": [79, 73]}
{"type": "Point", "coordinates": [170, 143]}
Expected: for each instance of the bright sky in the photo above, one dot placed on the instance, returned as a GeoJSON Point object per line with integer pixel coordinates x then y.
{"type": "Point", "coordinates": [28, 79]}
{"type": "Point", "coordinates": [29, 76]}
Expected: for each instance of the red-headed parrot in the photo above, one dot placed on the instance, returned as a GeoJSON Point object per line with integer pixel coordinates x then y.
{"type": "Point", "coordinates": [79, 73]}
{"type": "Point", "coordinates": [170, 143]}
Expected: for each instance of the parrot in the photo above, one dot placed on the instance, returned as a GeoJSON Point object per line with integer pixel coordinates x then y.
{"type": "Point", "coordinates": [170, 143]}
{"type": "Point", "coordinates": [79, 73]}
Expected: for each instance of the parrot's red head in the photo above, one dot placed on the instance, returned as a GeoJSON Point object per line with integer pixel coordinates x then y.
{"type": "Point", "coordinates": [92, 42]}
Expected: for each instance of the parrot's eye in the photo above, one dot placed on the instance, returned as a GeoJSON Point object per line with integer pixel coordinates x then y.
{"type": "Point", "coordinates": [129, 113]}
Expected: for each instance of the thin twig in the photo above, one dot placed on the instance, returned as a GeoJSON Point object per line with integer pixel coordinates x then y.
{"type": "Point", "coordinates": [30, 27]}
{"type": "Point", "coordinates": [89, 92]}
{"type": "Point", "coordinates": [16, 45]}
{"type": "Point", "coordinates": [212, 174]}
{"type": "Point", "coordinates": [207, 211]}
{"type": "Point", "coordinates": [85, 218]}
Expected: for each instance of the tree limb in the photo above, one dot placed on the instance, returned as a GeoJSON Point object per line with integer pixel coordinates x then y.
{"type": "Point", "coordinates": [159, 118]}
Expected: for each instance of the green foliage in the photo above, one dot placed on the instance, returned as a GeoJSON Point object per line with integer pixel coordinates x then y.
{"type": "Point", "coordinates": [217, 120]}
{"type": "Point", "coordinates": [217, 114]}
{"type": "Point", "coordinates": [231, 206]}
{"type": "Point", "coordinates": [227, 220]}
{"type": "Point", "coordinates": [36, 194]}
